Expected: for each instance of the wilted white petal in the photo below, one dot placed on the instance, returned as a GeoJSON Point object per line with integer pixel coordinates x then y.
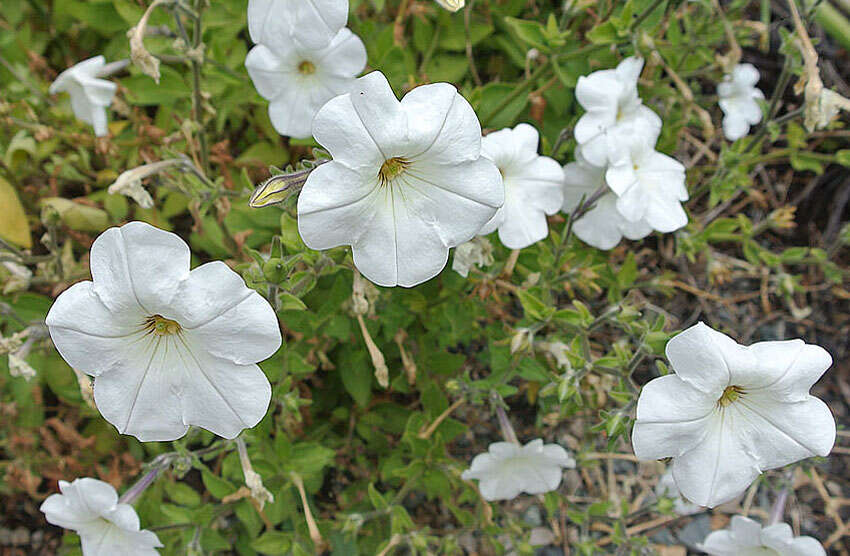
{"type": "Point", "coordinates": [19, 277]}
{"type": "Point", "coordinates": [478, 252]}
{"type": "Point", "coordinates": [18, 367]}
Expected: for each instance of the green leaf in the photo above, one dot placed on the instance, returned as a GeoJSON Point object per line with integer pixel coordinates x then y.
{"type": "Point", "coordinates": [216, 486]}
{"type": "Point", "coordinates": [802, 161]}
{"type": "Point", "coordinates": [273, 543]}
{"type": "Point", "coordinates": [78, 216]}
{"type": "Point", "coordinates": [143, 90]}
{"type": "Point", "coordinates": [604, 33]}
{"type": "Point", "coordinates": [533, 306]}
{"type": "Point", "coordinates": [357, 377]}
{"type": "Point", "coordinates": [628, 273]}
{"type": "Point", "coordinates": [13, 221]}
{"type": "Point", "coordinates": [529, 31]}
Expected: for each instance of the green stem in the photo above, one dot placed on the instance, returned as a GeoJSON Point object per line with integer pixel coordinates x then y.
{"type": "Point", "coordinates": [197, 108]}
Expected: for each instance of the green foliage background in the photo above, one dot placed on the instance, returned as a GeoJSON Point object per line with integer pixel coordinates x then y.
{"type": "Point", "coordinates": [372, 481]}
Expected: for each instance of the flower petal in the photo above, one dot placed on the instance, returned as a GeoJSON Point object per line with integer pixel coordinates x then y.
{"type": "Point", "coordinates": [442, 125]}
{"type": "Point", "coordinates": [735, 127]}
{"type": "Point", "coordinates": [702, 357]}
{"type": "Point", "coordinates": [745, 74]}
{"type": "Point", "coordinates": [672, 418]}
{"type": "Point", "coordinates": [441, 199]}
{"type": "Point", "coordinates": [628, 71]}
{"type": "Point", "coordinates": [747, 531]}
{"type": "Point", "coordinates": [599, 227]}
{"type": "Point", "coordinates": [338, 128]}
{"type": "Point", "coordinates": [719, 467]}
{"type": "Point", "coordinates": [720, 543]}
{"type": "Point", "coordinates": [381, 114]}
{"type": "Point", "coordinates": [345, 56]}
{"type": "Point", "coordinates": [291, 113]}
{"type": "Point", "coordinates": [123, 516]}
{"type": "Point", "coordinates": [313, 23]}
{"type": "Point", "coordinates": [138, 265]}
{"type": "Point", "coordinates": [269, 71]}
{"type": "Point", "coordinates": [782, 433]}
{"type": "Point", "coordinates": [143, 396]}
{"type": "Point", "coordinates": [229, 319]}
{"type": "Point", "coordinates": [805, 546]}
{"type": "Point", "coordinates": [224, 397]}
{"type": "Point", "coordinates": [476, 180]}
{"type": "Point", "coordinates": [786, 370]}
{"type": "Point", "coordinates": [168, 383]}
{"type": "Point", "coordinates": [522, 227]}
{"type": "Point", "coordinates": [94, 344]}
{"type": "Point", "coordinates": [105, 539]}
{"type": "Point", "coordinates": [527, 138]}
{"type": "Point", "coordinates": [81, 502]}
{"type": "Point", "coordinates": [335, 206]}
{"type": "Point", "coordinates": [599, 91]}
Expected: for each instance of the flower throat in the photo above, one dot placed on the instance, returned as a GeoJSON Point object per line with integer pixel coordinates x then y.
{"type": "Point", "coordinates": [161, 326]}
{"type": "Point", "coordinates": [392, 168]}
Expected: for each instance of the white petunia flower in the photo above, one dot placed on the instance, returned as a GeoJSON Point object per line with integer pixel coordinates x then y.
{"type": "Point", "coordinates": [666, 487]}
{"type": "Point", "coordinates": [650, 186]}
{"type": "Point", "coordinates": [534, 186]}
{"type": "Point", "coordinates": [614, 112]}
{"type": "Point", "coordinates": [476, 252]}
{"type": "Point", "coordinates": [746, 537]}
{"type": "Point", "coordinates": [406, 183]}
{"type": "Point", "coordinates": [729, 412]}
{"type": "Point", "coordinates": [313, 23]}
{"type": "Point", "coordinates": [298, 81]}
{"type": "Point", "coordinates": [451, 5]}
{"type": "Point", "coordinates": [507, 469]}
{"type": "Point", "coordinates": [603, 226]}
{"type": "Point", "coordinates": [90, 95]}
{"type": "Point", "coordinates": [106, 526]}
{"type": "Point", "coordinates": [168, 347]}
{"type": "Point", "coordinates": [739, 101]}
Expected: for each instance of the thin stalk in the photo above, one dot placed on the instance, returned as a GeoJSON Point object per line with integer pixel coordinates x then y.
{"type": "Point", "coordinates": [196, 90]}
{"type": "Point", "coordinates": [467, 14]}
{"type": "Point", "coordinates": [778, 509]}
{"type": "Point", "coordinates": [505, 425]}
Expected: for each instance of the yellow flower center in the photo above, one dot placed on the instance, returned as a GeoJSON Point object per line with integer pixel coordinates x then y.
{"type": "Point", "coordinates": [730, 394]}
{"type": "Point", "coordinates": [392, 168]}
{"type": "Point", "coordinates": [161, 326]}
{"type": "Point", "coordinates": [307, 68]}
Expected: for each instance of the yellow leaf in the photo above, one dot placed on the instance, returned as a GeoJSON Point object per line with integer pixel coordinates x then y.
{"type": "Point", "coordinates": [13, 220]}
